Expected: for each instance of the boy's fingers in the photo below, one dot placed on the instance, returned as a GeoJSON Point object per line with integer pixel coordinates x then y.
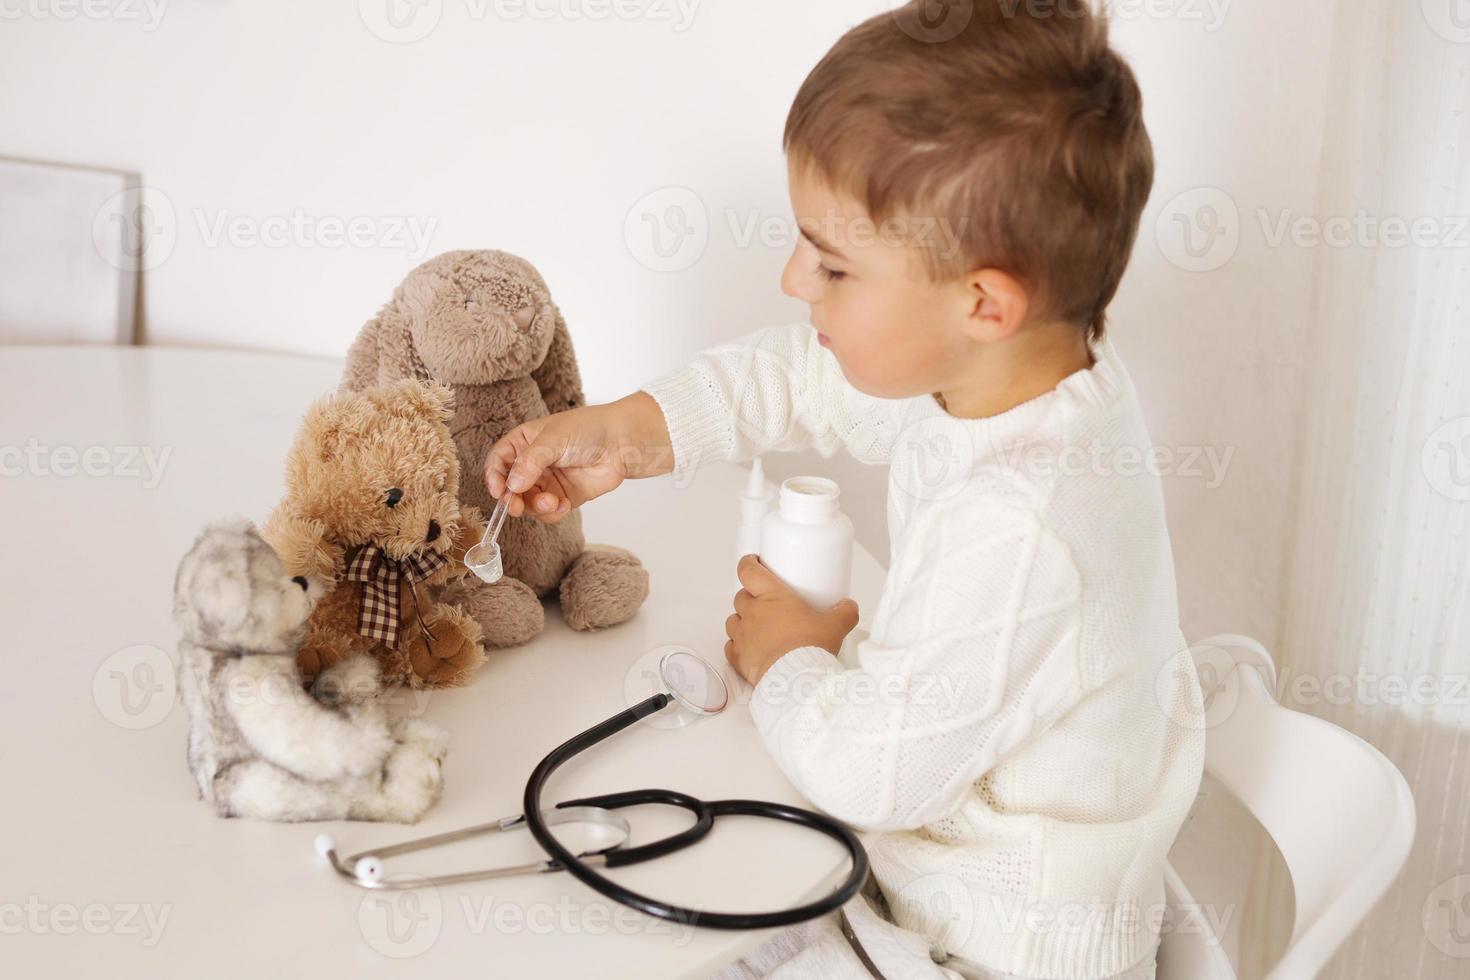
{"type": "Point", "coordinates": [848, 610]}
{"type": "Point", "coordinates": [757, 578]}
{"type": "Point", "coordinates": [743, 602]}
{"type": "Point", "coordinates": [548, 508]}
{"type": "Point", "coordinates": [529, 465]}
{"type": "Point", "coordinates": [498, 462]}
{"type": "Point", "coordinates": [731, 622]}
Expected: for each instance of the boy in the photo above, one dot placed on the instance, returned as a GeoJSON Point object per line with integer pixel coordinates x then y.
{"type": "Point", "coordinates": [967, 208]}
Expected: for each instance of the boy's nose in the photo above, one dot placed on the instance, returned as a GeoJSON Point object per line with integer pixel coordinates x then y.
{"type": "Point", "coordinates": [799, 283]}
{"type": "Point", "coordinates": [433, 534]}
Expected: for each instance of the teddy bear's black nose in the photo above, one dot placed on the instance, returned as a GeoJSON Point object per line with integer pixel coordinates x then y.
{"type": "Point", "coordinates": [433, 534]}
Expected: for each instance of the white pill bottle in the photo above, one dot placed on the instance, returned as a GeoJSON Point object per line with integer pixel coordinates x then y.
{"type": "Point", "coordinates": [807, 541]}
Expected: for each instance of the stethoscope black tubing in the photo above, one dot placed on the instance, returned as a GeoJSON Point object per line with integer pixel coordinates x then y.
{"type": "Point", "coordinates": [536, 824]}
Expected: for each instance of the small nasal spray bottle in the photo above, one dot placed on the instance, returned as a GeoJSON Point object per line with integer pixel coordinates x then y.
{"type": "Point", "coordinates": [755, 504]}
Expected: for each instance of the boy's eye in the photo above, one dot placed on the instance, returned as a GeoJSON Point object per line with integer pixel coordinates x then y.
{"type": "Point", "coordinates": [394, 496]}
{"type": "Point", "coordinates": [831, 275]}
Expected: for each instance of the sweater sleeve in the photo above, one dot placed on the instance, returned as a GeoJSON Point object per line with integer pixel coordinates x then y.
{"type": "Point", "coordinates": [776, 389]}
{"type": "Point", "coordinates": [975, 649]}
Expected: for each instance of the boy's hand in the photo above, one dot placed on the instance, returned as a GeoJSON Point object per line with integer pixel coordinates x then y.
{"type": "Point", "coordinates": [771, 620]}
{"type": "Point", "coordinates": [550, 465]}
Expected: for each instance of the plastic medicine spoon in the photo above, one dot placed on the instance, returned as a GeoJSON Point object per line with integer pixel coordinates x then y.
{"type": "Point", "coordinates": [484, 558]}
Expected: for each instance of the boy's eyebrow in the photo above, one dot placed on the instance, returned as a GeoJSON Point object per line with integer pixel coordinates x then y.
{"type": "Point", "coordinates": [817, 240]}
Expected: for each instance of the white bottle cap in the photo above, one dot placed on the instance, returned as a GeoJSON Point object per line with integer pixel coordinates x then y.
{"type": "Point", "coordinates": [809, 499]}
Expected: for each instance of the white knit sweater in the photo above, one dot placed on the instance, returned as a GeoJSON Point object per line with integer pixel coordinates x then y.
{"type": "Point", "coordinates": [1022, 728]}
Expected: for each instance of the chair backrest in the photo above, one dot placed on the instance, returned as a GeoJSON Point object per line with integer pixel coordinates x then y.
{"type": "Point", "coordinates": [69, 254]}
{"type": "Point", "coordinates": [1339, 811]}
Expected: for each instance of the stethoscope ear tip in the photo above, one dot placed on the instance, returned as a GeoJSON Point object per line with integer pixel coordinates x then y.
{"type": "Point", "coordinates": [368, 870]}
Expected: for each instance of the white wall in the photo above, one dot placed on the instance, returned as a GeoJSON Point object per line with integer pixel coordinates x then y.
{"type": "Point", "coordinates": [539, 136]}
{"type": "Point", "coordinates": [536, 136]}
{"type": "Point", "coordinates": [1235, 102]}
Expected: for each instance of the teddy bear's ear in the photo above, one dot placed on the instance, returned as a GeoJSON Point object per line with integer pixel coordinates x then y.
{"type": "Point", "coordinates": [301, 544]}
{"type": "Point", "coordinates": [332, 421]}
{"type": "Point", "coordinates": [427, 398]}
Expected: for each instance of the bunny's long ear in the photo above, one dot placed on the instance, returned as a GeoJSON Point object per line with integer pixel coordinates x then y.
{"type": "Point", "coordinates": [558, 377]}
{"type": "Point", "coordinates": [301, 544]}
{"type": "Point", "coordinates": [362, 368]}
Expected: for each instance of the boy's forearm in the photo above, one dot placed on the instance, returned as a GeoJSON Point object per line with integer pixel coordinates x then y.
{"type": "Point", "coordinates": [646, 444]}
{"type": "Point", "coordinates": [775, 390]}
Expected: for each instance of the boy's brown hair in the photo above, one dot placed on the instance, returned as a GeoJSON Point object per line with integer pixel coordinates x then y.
{"type": "Point", "coordinates": [1016, 126]}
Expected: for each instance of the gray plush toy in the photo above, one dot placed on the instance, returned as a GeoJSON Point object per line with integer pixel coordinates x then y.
{"type": "Point", "coordinates": [260, 744]}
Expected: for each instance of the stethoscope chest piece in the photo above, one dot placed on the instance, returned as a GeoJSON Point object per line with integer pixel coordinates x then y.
{"type": "Point", "coordinates": [697, 689]}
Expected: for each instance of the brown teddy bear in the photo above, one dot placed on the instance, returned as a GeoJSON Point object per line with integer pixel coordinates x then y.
{"type": "Point", "coordinates": [483, 323]}
{"type": "Point", "coordinates": [372, 513]}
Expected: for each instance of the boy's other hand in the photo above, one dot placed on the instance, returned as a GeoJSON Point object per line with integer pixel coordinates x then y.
{"type": "Point", "coordinates": [550, 465]}
{"type": "Point", "coordinates": [771, 620]}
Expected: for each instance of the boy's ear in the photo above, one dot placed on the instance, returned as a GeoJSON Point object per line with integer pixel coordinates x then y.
{"type": "Point", "coordinates": [998, 305]}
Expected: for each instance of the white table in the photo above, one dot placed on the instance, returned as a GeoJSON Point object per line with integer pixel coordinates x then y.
{"type": "Point", "coordinates": [108, 862]}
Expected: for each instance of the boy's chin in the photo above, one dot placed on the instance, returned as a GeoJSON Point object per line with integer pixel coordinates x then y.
{"type": "Point", "coordinates": [871, 388]}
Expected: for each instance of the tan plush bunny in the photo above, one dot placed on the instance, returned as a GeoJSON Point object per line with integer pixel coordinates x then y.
{"type": "Point", "coordinates": [483, 323]}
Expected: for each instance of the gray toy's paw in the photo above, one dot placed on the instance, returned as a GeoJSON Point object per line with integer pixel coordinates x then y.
{"type": "Point", "coordinates": [355, 680]}
{"type": "Point", "coordinates": [413, 777]}
{"type": "Point", "coordinates": [426, 736]}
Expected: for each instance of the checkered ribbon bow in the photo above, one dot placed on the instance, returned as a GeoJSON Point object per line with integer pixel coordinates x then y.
{"type": "Point", "coordinates": [377, 616]}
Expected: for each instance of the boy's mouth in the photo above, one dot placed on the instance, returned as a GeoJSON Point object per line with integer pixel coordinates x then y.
{"type": "Point", "coordinates": [823, 339]}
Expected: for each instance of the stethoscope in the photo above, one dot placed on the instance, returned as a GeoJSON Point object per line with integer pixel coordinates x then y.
{"type": "Point", "coordinates": [694, 688]}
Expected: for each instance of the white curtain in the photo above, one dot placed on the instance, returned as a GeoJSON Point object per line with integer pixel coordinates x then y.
{"type": "Point", "coordinates": [1377, 607]}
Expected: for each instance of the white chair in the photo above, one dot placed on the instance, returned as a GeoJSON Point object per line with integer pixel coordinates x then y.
{"type": "Point", "coordinates": [71, 255]}
{"type": "Point", "coordinates": [1340, 813]}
